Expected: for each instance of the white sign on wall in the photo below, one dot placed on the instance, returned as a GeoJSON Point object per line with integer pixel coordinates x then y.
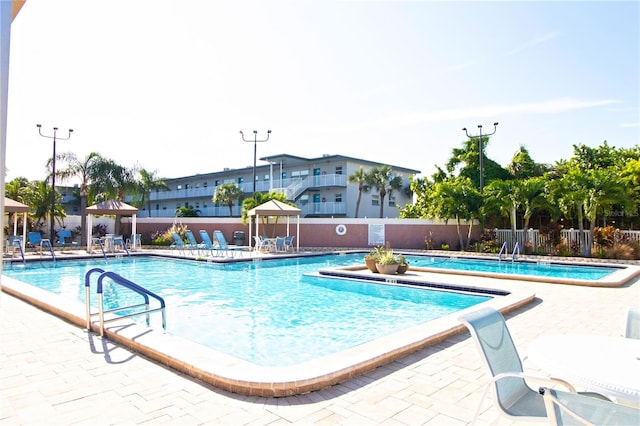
{"type": "Point", "coordinates": [376, 234]}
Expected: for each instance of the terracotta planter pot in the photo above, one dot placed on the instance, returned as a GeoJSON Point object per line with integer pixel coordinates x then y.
{"type": "Point", "coordinates": [371, 264]}
{"type": "Point", "coordinates": [387, 269]}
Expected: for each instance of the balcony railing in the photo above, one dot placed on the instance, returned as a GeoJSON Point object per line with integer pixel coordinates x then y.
{"type": "Point", "coordinates": [292, 187]}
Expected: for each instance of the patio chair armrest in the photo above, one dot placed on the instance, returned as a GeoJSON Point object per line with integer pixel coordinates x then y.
{"type": "Point", "coordinates": [586, 410]}
{"type": "Point", "coordinates": [535, 377]}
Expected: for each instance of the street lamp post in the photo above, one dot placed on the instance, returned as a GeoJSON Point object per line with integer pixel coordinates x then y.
{"type": "Point", "coordinates": [481, 149]}
{"type": "Point", "coordinates": [55, 137]}
{"type": "Point", "coordinates": [255, 150]}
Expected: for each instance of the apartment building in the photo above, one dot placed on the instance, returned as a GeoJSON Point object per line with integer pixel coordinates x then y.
{"type": "Point", "coordinates": [318, 186]}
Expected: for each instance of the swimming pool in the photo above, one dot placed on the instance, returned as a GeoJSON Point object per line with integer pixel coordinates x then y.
{"type": "Point", "coordinates": [271, 313]}
{"type": "Point", "coordinates": [527, 268]}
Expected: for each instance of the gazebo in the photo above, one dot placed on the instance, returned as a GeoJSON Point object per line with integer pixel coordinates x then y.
{"type": "Point", "coordinates": [12, 206]}
{"type": "Point", "coordinates": [112, 208]}
{"type": "Point", "coordinates": [274, 208]}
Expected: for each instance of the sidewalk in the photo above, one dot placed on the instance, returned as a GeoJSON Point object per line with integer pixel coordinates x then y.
{"type": "Point", "coordinates": [54, 373]}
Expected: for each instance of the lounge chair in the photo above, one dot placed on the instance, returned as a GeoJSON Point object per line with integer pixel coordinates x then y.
{"type": "Point", "coordinates": [570, 408]}
{"type": "Point", "coordinates": [512, 395]}
{"type": "Point", "coordinates": [34, 239]}
{"type": "Point", "coordinates": [194, 246]}
{"type": "Point", "coordinates": [632, 324]}
{"type": "Point", "coordinates": [224, 246]}
{"type": "Point", "coordinates": [208, 242]}
{"type": "Point", "coordinates": [64, 239]}
{"type": "Point", "coordinates": [178, 243]}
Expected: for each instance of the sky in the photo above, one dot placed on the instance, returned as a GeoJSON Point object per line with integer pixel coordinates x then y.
{"type": "Point", "coordinates": [167, 85]}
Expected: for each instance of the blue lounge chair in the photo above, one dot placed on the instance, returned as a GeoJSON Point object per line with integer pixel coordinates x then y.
{"type": "Point", "coordinates": [178, 243]}
{"type": "Point", "coordinates": [193, 245]}
{"type": "Point", "coordinates": [512, 396]}
{"type": "Point", "coordinates": [34, 239]}
{"type": "Point", "coordinates": [224, 246]}
{"type": "Point", "coordinates": [208, 243]}
{"type": "Point", "coordinates": [64, 239]}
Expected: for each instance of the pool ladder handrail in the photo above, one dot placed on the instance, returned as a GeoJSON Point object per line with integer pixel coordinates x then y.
{"type": "Point", "coordinates": [47, 242]}
{"type": "Point", "coordinates": [118, 240]}
{"type": "Point", "coordinates": [118, 279]}
{"type": "Point", "coordinates": [17, 242]}
{"type": "Point", "coordinates": [98, 241]}
{"type": "Point", "coordinates": [503, 250]}
{"type": "Point", "coordinates": [516, 248]}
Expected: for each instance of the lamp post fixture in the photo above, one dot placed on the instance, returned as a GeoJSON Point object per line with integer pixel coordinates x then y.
{"type": "Point", "coordinates": [481, 149]}
{"type": "Point", "coordinates": [255, 150]}
{"type": "Point", "coordinates": [53, 174]}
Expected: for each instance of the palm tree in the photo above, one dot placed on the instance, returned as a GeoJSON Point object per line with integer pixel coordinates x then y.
{"type": "Point", "coordinates": [383, 179]}
{"type": "Point", "coordinates": [149, 182]}
{"type": "Point", "coordinates": [39, 198]}
{"type": "Point", "coordinates": [454, 198]}
{"type": "Point", "coordinates": [226, 194]}
{"type": "Point", "coordinates": [83, 169]}
{"type": "Point", "coordinates": [359, 178]}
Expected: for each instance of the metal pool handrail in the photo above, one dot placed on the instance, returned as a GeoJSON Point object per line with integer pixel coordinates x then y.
{"type": "Point", "coordinates": [117, 279]}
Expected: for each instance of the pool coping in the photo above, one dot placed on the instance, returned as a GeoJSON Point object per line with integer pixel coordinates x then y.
{"type": "Point", "coordinates": [623, 275]}
{"type": "Point", "coordinates": [233, 374]}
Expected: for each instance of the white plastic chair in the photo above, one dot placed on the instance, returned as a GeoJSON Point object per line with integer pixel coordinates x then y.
{"type": "Point", "coordinates": [632, 324]}
{"type": "Point", "coordinates": [512, 395]}
{"type": "Point", "coordinates": [564, 408]}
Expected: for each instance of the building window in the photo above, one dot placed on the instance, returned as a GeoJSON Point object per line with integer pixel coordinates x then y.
{"type": "Point", "coordinates": [205, 184]}
{"type": "Point", "coordinates": [197, 185]}
{"type": "Point", "coordinates": [375, 200]}
{"type": "Point", "coordinates": [338, 198]}
{"type": "Point", "coordinates": [266, 177]}
{"type": "Point", "coordinates": [392, 201]}
{"type": "Point", "coordinates": [240, 180]}
{"type": "Point", "coordinates": [179, 187]}
{"type": "Point", "coordinates": [338, 170]}
{"type": "Point", "coordinates": [217, 183]}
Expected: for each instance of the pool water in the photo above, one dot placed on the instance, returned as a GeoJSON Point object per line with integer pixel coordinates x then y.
{"type": "Point", "coordinates": [271, 313]}
{"type": "Point", "coordinates": [542, 269]}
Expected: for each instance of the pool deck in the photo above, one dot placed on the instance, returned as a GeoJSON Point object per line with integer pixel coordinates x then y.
{"type": "Point", "coordinates": [54, 372]}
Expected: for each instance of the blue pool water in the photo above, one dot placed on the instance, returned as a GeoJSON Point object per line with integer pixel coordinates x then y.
{"type": "Point", "coordinates": [545, 269]}
{"type": "Point", "coordinates": [269, 312]}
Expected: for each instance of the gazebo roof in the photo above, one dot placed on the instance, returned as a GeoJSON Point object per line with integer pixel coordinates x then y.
{"type": "Point", "coordinates": [112, 207]}
{"type": "Point", "coordinates": [274, 208]}
{"type": "Point", "coordinates": [12, 206]}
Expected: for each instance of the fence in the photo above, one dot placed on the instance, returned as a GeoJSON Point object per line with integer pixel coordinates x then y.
{"type": "Point", "coordinates": [570, 237]}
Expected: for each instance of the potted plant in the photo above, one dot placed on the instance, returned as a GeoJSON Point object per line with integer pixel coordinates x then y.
{"type": "Point", "coordinates": [371, 259]}
{"type": "Point", "coordinates": [387, 263]}
{"type": "Point", "coordinates": [403, 265]}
